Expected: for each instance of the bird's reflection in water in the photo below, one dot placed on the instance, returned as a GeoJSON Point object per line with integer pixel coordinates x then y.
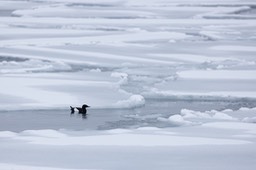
{"type": "Point", "coordinates": [83, 116]}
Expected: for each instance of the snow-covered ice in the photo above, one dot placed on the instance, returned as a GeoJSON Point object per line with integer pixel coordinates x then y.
{"type": "Point", "coordinates": [121, 36]}
{"type": "Point", "coordinates": [135, 62]}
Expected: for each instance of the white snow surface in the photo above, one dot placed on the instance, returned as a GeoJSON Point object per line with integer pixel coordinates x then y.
{"type": "Point", "coordinates": [62, 52]}
{"type": "Point", "coordinates": [118, 54]}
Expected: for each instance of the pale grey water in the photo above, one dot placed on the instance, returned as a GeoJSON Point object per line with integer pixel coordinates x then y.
{"type": "Point", "coordinates": [102, 119]}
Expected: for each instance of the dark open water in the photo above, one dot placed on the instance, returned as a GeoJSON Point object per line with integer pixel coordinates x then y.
{"type": "Point", "coordinates": [102, 119]}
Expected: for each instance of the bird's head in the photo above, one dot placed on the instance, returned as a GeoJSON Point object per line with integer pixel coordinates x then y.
{"type": "Point", "coordinates": [85, 105]}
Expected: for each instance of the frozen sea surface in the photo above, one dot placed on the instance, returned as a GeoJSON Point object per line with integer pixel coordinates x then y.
{"type": "Point", "coordinates": [59, 53]}
{"type": "Point", "coordinates": [171, 84]}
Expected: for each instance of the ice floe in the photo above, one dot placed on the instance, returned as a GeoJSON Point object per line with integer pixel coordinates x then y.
{"type": "Point", "coordinates": [132, 102]}
{"type": "Point", "coordinates": [120, 54]}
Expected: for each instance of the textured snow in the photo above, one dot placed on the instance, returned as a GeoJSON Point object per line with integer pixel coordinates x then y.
{"type": "Point", "coordinates": [133, 101]}
{"type": "Point", "coordinates": [213, 114]}
{"type": "Point", "coordinates": [177, 120]}
{"type": "Point", "coordinates": [121, 54]}
{"type": "Point", "coordinates": [162, 45]}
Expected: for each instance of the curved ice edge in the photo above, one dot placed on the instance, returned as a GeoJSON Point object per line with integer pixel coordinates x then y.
{"type": "Point", "coordinates": [134, 101]}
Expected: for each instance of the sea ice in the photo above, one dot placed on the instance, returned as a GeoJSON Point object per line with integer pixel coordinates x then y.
{"type": "Point", "coordinates": [114, 54]}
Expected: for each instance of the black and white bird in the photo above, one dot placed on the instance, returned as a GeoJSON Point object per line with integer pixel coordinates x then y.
{"type": "Point", "coordinates": [81, 110]}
